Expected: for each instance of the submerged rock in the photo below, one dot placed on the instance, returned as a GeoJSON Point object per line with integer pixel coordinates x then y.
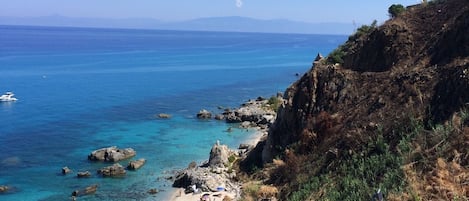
{"type": "Point", "coordinates": [164, 116]}
{"type": "Point", "coordinates": [133, 165]}
{"type": "Point", "coordinates": [111, 154]}
{"type": "Point", "coordinates": [115, 170]}
{"type": "Point", "coordinates": [86, 191]}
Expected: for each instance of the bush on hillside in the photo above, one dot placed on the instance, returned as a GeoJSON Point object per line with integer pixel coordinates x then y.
{"type": "Point", "coordinates": [395, 10]}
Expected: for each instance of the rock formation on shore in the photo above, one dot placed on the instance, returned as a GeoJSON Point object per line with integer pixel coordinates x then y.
{"type": "Point", "coordinates": [393, 115]}
{"type": "Point", "coordinates": [209, 177]}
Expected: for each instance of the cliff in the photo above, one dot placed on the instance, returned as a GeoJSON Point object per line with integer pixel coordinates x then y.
{"type": "Point", "coordinates": [394, 115]}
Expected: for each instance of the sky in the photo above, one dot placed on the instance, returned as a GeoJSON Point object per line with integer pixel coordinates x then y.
{"type": "Point", "coordinates": [345, 11]}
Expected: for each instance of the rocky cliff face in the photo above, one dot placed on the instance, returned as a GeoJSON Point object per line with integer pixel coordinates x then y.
{"type": "Point", "coordinates": [414, 65]}
{"type": "Point", "coordinates": [412, 68]}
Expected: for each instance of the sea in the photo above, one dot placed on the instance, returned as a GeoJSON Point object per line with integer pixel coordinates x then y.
{"type": "Point", "coordinates": [81, 89]}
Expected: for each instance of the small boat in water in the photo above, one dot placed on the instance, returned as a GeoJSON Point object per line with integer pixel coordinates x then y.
{"type": "Point", "coordinates": [8, 96]}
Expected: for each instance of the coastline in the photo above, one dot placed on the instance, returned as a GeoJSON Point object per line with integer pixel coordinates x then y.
{"type": "Point", "coordinates": [259, 134]}
{"type": "Point", "coordinates": [177, 194]}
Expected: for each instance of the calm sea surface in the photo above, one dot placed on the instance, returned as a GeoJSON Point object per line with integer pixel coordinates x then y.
{"type": "Point", "coordinates": [81, 89]}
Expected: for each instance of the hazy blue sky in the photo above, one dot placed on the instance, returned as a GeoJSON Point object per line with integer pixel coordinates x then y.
{"type": "Point", "coordinates": [360, 11]}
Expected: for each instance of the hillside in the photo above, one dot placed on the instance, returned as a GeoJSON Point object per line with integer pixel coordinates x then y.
{"type": "Point", "coordinates": [393, 115]}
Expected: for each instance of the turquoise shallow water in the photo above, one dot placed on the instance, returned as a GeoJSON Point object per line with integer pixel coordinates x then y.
{"type": "Point", "coordinates": [82, 89]}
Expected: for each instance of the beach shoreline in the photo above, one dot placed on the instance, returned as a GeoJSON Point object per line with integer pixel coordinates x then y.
{"type": "Point", "coordinates": [177, 194]}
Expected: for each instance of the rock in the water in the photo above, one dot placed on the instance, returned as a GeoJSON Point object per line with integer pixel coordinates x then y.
{"type": "Point", "coordinates": [66, 170]}
{"type": "Point", "coordinates": [204, 114]}
{"type": "Point", "coordinates": [84, 174]}
{"type": "Point", "coordinates": [4, 189]}
{"type": "Point", "coordinates": [164, 116]}
{"type": "Point", "coordinates": [115, 170]}
{"type": "Point", "coordinates": [244, 146]}
{"type": "Point", "coordinates": [153, 191]}
{"type": "Point", "coordinates": [86, 191]}
{"type": "Point", "coordinates": [219, 155]}
{"type": "Point", "coordinates": [112, 154]}
{"type": "Point", "coordinates": [219, 117]}
{"type": "Point", "coordinates": [133, 165]}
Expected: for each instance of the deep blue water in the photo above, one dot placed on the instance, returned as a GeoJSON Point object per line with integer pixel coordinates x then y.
{"type": "Point", "coordinates": [81, 89]}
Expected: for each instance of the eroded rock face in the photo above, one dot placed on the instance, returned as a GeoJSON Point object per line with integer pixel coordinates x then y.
{"type": "Point", "coordinates": [111, 154]}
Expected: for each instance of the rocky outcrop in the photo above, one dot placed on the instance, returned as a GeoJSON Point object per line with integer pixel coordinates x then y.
{"type": "Point", "coordinates": [219, 155]}
{"type": "Point", "coordinates": [256, 112]}
{"type": "Point", "coordinates": [210, 176]}
{"type": "Point", "coordinates": [111, 154]}
{"type": "Point", "coordinates": [206, 179]}
{"type": "Point", "coordinates": [115, 170]}
{"type": "Point", "coordinates": [134, 165]}
{"type": "Point", "coordinates": [86, 191]}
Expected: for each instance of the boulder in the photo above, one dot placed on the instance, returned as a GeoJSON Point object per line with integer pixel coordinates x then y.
{"type": "Point", "coordinates": [86, 191]}
{"type": "Point", "coordinates": [66, 170]}
{"type": "Point", "coordinates": [4, 189]}
{"type": "Point", "coordinates": [133, 165]}
{"type": "Point", "coordinates": [111, 154]}
{"type": "Point", "coordinates": [219, 155]}
{"type": "Point", "coordinates": [115, 170]}
{"type": "Point", "coordinates": [84, 174]}
{"type": "Point", "coordinates": [204, 114]}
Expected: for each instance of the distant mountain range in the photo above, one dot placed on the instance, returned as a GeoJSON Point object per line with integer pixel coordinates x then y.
{"type": "Point", "coordinates": [234, 23]}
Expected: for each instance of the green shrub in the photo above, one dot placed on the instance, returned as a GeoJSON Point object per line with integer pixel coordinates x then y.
{"type": "Point", "coordinates": [337, 56]}
{"type": "Point", "coordinates": [274, 102]}
{"type": "Point", "coordinates": [395, 10]}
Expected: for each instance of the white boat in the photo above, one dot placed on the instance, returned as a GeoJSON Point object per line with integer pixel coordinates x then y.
{"type": "Point", "coordinates": [8, 96]}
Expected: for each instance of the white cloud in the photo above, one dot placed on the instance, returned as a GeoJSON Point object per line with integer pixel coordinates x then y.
{"type": "Point", "coordinates": [239, 3]}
